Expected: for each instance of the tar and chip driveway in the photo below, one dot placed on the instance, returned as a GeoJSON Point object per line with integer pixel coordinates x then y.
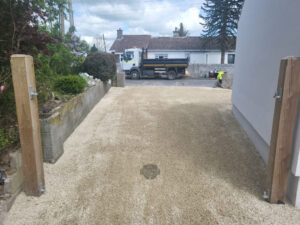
{"type": "Point", "coordinates": [209, 173]}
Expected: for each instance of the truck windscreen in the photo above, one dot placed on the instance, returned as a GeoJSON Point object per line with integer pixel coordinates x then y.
{"type": "Point", "coordinates": [128, 56]}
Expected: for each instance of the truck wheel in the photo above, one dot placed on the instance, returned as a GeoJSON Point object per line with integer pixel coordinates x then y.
{"type": "Point", "coordinates": [135, 75]}
{"type": "Point", "coordinates": [171, 75]}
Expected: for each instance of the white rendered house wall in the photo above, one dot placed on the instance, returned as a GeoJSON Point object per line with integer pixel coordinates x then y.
{"type": "Point", "coordinates": [196, 57]}
{"type": "Point", "coordinates": [268, 31]}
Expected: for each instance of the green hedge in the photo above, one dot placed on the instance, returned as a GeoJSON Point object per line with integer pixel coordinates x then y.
{"type": "Point", "coordinates": [100, 65]}
{"type": "Point", "coordinates": [70, 85]}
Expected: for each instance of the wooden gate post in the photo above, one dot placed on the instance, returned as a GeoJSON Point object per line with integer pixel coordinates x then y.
{"type": "Point", "coordinates": [22, 68]}
{"type": "Point", "coordinates": [285, 117]}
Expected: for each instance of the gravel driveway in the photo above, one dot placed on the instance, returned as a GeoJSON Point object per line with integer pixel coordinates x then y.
{"type": "Point", "coordinates": [156, 155]}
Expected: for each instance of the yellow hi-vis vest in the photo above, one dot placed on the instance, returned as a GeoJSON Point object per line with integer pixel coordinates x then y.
{"type": "Point", "coordinates": [220, 75]}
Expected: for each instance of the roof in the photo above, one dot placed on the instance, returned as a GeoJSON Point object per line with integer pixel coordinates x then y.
{"type": "Point", "coordinates": [130, 41]}
{"type": "Point", "coordinates": [168, 43]}
{"type": "Point", "coordinates": [187, 43]}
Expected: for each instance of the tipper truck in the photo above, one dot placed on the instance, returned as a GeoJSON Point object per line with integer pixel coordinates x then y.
{"type": "Point", "coordinates": [136, 66]}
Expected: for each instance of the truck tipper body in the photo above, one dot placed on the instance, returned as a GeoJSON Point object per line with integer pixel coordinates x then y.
{"type": "Point", "coordinates": [136, 66]}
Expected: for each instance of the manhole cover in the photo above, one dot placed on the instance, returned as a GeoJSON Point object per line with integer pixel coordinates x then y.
{"type": "Point", "coordinates": [150, 171]}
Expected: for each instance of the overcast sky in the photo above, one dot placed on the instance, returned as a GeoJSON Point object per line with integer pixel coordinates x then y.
{"type": "Point", "coordinates": [155, 17]}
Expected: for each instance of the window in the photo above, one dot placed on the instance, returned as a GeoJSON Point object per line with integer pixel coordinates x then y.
{"type": "Point", "coordinates": [231, 58]}
{"type": "Point", "coordinates": [161, 56]}
{"type": "Point", "coordinates": [129, 56]}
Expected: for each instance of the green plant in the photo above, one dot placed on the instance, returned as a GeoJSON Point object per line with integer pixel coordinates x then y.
{"type": "Point", "coordinates": [62, 59]}
{"type": "Point", "coordinates": [45, 77]}
{"type": "Point", "coordinates": [100, 65]}
{"type": "Point", "coordinates": [70, 84]}
{"type": "Point", "coordinates": [7, 107]}
{"type": "Point", "coordinates": [7, 137]}
{"type": "Point", "coordinates": [33, 28]}
{"type": "Point", "coordinates": [94, 48]}
{"type": "Point", "coordinates": [3, 140]}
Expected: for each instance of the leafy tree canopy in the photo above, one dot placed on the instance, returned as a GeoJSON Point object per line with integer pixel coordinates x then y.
{"type": "Point", "coordinates": [182, 31]}
{"type": "Point", "coordinates": [32, 27]}
{"type": "Point", "coordinates": [220, 20]}
{"type": "Point", "coordinates": [94, 49]}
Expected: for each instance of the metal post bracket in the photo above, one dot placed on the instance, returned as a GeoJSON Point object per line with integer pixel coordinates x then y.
{"type": "Point", "coordinates": [32, 93]}
{"type": "Point", "coordinates": [278, 94]}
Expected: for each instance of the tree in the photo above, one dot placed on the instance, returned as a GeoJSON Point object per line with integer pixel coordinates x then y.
{"type": "Point", "coordinates": [221, 21]}
{"type": "Point", "coordinates": [71, 17]}
{"type": "Point", "coordinates": [94, 49]}
{"type": "Point", "coordinates": [101, 65]}
{"type": "Point", "coordinates": [72, 41]}
{"type": "Point", "coordinates": [182, 31]}
{"type": "Point", "coordinates": [19, 22]}
{"type": "Point", "coordinates": [32, 27]}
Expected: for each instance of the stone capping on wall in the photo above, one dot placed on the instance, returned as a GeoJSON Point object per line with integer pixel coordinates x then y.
{"type": "Point", "coordinates": [56, 128]}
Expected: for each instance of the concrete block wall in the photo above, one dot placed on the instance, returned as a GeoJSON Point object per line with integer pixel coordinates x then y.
{"type": "Point", "coordinates": [196, 70]}
{"type": "Point", "coordinates": [119, 80]}
{"type": "Point", "coordinates": [60, 125]}
{"type": "Point", "coordinates": [13, 182]}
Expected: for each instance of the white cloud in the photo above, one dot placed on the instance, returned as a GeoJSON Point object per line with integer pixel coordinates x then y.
{"type": "Point", "coordinates": [116, 12]}
{"type": "Point", "coordinates": [88, 39]}
{"type": "Point", "coordinates": [154, 17]}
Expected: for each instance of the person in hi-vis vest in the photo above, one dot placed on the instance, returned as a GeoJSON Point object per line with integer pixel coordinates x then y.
{"type": "Point", "coordinates": [220, 78]}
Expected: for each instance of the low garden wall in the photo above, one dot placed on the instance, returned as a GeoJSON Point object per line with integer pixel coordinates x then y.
{"type": "Point", "coordinates": [13, 182]}
{"type": "Point", "coordinates": [119, 80]}
{"type": "Point", "coordinates": [55, 129]}
{"type": "Point", "coordinates": [196, 70]}
{"type": "Point", "coordinates": [58, 126]}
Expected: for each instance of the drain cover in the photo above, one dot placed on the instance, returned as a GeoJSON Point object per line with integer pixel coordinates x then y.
{"type": "Point", "coordinates": [150, 171]}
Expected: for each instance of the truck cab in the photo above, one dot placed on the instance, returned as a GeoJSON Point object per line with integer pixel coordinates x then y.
{"type": "Point", "coordinates": [136, 66]}
{"type": "Point", "coordinates": [131, 59]}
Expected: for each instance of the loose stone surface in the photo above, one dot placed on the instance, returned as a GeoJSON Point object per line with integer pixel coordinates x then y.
{"type": "Point", "coordinates": [210, 173]}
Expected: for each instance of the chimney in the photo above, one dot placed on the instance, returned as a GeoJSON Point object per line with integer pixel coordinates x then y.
{"type": "Point", "coordinates": [176, 32]}
{"type": "Point", "coordinates": [119, 33]}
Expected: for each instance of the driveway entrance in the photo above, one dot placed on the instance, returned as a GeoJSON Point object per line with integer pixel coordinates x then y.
{"type": "Point", "coordinates": [156, 155]}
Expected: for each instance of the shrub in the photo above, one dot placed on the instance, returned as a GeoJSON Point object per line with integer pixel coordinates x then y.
{"type": "Point", "coordinates": [45, 77]}
{"type": "Point", "coordinates": [7, 138]}
{"type": "Point", "coordinates": [100, 65]}
{"type": "Point", "coordinates": [70, 84]}
{"type": "Point", "coordinates": [61, 60]}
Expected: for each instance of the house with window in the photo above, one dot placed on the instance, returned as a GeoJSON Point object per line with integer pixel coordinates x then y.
{"type": "Point", "coordinates": [200, 50]}
{"type": "Point", "coordinates": [123, 42]}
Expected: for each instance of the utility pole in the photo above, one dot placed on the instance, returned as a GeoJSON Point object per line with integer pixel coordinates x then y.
{"type": "Point", "coordinates": [71, 14]}
{"type": "Point", "coordinates": [104, 43]}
